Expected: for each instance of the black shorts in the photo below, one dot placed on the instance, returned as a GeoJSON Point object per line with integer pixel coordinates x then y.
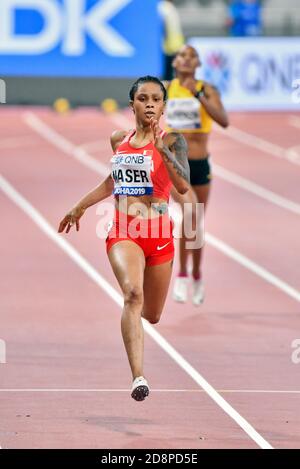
{"type": "Point", "coordinates": [200, 173]}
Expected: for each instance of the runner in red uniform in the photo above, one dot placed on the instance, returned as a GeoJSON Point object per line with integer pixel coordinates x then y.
{"type": "Point", "coordinates": [146, 164]}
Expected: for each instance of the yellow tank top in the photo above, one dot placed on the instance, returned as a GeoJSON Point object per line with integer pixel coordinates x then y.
{"type": "Point", "coordinates": [184, 112]}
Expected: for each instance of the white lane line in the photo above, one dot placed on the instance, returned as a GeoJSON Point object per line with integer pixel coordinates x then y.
{"type": "Point", "coordinates": [49, 134]}
{"type": "Point", "coordinates": [196, 391]}
{"type": "Point", "coordinates": [259, 144]}
{"type": "Point", "coordinates": [83, 264]}
{"type": "Point", "coordinates": [238, 257]}
{"type": "Point", "coordinates": [294, 152]}
{"type": "Point", "coordinates": [67, 147]}
{"type": "Point", "coordinates": [123, 122]}
{"type": "Point", "coordinates": [256, 189]}
{"type": "Point", "coordinates": [294, 121]}
{"type": "Point", "coordinates": [253, 266]}
{"type": "Point", "coordinates": [95, 146]}
{"type": "Point", "coordinates": [63, 144]}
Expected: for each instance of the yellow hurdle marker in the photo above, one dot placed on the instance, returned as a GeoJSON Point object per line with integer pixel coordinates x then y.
{"type": "Point", "coordinates": [109, 105]}
{"type": "Point", "coordinates": [61, 105]}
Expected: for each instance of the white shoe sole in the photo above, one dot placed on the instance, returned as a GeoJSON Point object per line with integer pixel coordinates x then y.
{"type": "Point", "coordinates": [179, 299]}
{"type": "Point", "coordinates": [198, 303]}
{"type": "Point", "coordinates": [140, 393]}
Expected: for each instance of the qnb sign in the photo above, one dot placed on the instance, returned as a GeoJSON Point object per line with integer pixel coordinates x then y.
{"type": "Point", "coordinates": [67, 22]}
{"type": "Point", "coordinates": [260, 73]}
{"type": "Point", "coordinates": [253, 73]}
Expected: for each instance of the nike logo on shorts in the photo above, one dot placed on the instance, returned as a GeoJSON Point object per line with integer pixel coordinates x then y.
{"type": "Point", "coordinates": [161, 247]}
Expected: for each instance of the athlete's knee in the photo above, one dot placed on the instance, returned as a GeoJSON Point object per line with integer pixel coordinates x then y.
{"type": "Point", "coordinates": [133, 294]}
{"type": "Point", "coordinates": [152, 318]}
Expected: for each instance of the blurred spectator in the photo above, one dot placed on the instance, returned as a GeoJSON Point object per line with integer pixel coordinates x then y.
{"type": "Point", "coordinates": [244, 18]}
{"type": "Point", "coordinates": [173, 36]}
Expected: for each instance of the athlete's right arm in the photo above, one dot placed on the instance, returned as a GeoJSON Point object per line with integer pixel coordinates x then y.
{"type": "Point", "coordinates": [103, 190]}
{"type": "Point", "coordinates": [99, 193]}
{"type": "Point", "coordinates": [96, 195]}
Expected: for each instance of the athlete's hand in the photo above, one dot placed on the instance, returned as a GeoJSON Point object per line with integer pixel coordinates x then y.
{"type": "Point", "coordinates": [190, 83]}
{"type": "Point", "coordinates": [71, 218]}
{"type": "Point", "coordinates": [158, 141]}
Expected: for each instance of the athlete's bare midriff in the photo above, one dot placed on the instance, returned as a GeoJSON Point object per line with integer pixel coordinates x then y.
{"type": "Point", "coordinates": [198, 145]}
{"type": "Point", "coordinates": [142, 207]}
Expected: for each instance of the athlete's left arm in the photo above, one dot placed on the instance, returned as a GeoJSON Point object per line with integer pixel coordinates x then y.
{"type": "Point", "coordinates": [174, 153]}
{"type": "Point", "coordinates": [174, 150]}
{"type": "Point", "coordinates": [211, 100]}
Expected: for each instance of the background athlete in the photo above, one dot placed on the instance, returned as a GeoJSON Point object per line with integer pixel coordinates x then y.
{"type": "Point", "coordinates": [191, 108]}
{"type": "Point", "coordinates": [146, 164]}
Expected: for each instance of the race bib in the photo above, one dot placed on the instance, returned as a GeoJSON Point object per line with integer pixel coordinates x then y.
{"type": "Point", "coordinates": [183, 113]}
{"type": "Point", "coordinates": [131, 173]}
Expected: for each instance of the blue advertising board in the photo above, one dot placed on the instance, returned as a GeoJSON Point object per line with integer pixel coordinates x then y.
{"type": "Point", "coordinates": [80, 38]}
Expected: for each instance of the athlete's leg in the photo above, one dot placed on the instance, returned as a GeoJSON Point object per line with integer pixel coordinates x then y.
{"type": "Point", "coordinates": [128, 263]}
{"type": "Point", "coordinates": [156, 284]}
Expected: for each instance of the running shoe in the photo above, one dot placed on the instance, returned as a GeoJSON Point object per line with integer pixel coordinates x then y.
{"type": "Point", "coordinates": [198, 292]}
{"type": "Point", "coordinates": [180, 289]}
{"type": "Point", "coordinates": [140, 389]}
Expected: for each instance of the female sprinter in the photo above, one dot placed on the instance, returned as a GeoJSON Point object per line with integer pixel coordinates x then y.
{"type": "Point", "coordinates": [147, 162]}
{"type": "Point", "coordinates": [191, 107]}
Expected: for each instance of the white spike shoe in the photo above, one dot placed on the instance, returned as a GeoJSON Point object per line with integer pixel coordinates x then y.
{"type": "Point", "coordinates": [140, 389]}
{"type": "Point", "coordinates": [180, 289]}
{"type": "Point", "coordinates": [198, 292]}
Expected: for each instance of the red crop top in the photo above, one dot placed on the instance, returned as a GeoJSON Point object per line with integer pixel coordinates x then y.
{"type": "Point", "coordinates": [140, 171]}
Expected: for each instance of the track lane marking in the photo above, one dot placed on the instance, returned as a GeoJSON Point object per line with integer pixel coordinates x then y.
{"type": "Point", "coordinates": [124, 122]}
{"type": "Point", "coordinates": [91, 272]}
{"type": "Point", "coordinates": [294, 121]}
{"type": "Point", "coordinates": [99, 390]}
{"type": "Point", "coordinates": [80, 153]}
{"type": "Point", "coordinates": [260, 144]}
{"type": "Point", "coordinates": [70, 149]}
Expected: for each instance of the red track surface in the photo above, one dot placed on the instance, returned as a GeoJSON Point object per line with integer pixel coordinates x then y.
{"type": "Point", "coordinates": [62, 330]}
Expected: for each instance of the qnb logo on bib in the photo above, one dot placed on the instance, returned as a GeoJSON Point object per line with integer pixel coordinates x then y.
{"type": "Point", "coordinates": [183, 113]}
{"type": "Point", "coordinates": [132, 174]}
